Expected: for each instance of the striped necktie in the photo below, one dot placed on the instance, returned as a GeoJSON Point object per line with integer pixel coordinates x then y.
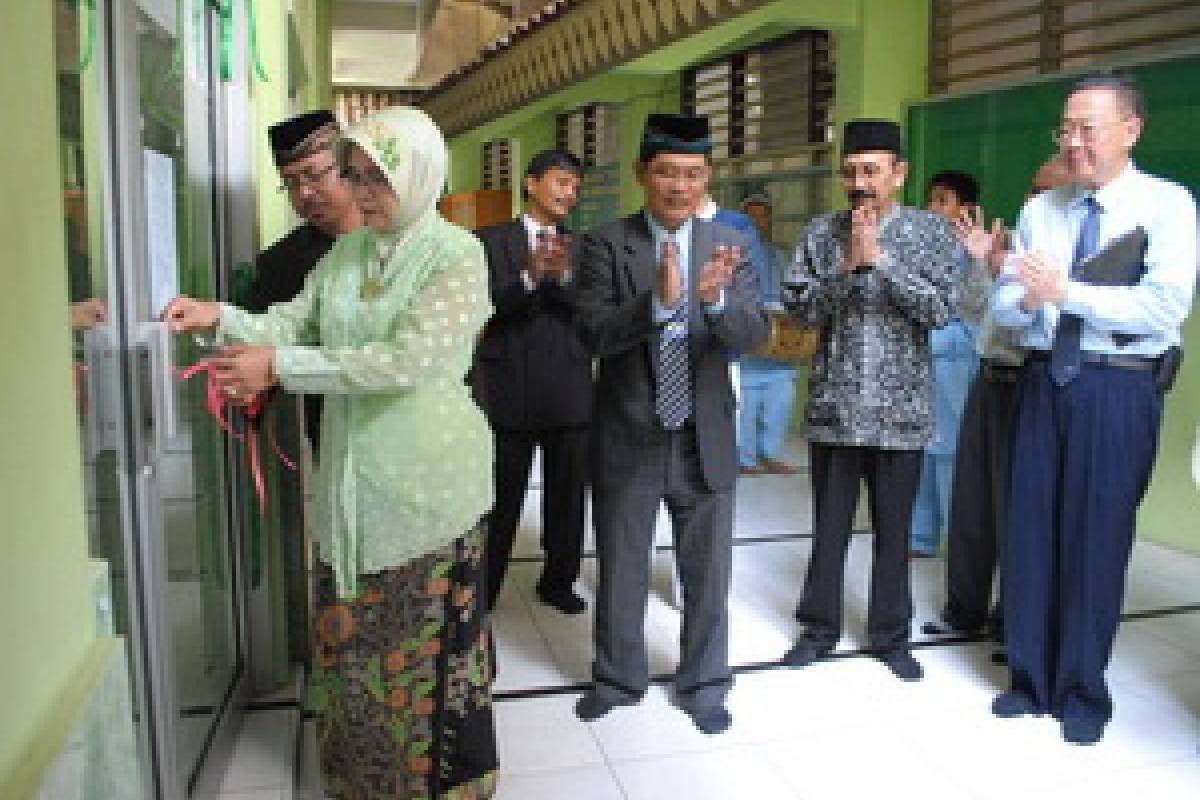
{"type": "Point", "coordinates": [673, 400]}
{"type": "Point", "coordinates": [1064, 352]}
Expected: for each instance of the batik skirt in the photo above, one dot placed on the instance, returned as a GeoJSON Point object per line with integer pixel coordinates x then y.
{"type": "Point", "coordinates": [401, 683]}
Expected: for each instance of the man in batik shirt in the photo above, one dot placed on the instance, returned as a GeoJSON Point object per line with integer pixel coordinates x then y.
{"type": "Point", "coordinates": [875, 279]}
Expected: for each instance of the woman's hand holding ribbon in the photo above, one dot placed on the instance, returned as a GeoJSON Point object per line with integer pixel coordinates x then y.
{"type": "Point", "coordinates": [242, 371]}
{"type": "Point", "coordinates": [185, 314]}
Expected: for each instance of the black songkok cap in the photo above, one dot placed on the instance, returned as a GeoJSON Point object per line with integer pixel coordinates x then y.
{"type": "Point", "coordinates": [674, 133]}
{"type": "Point", "coordinates": [871, 136]}
{"type": "Point", "coordinates": [301, 136]}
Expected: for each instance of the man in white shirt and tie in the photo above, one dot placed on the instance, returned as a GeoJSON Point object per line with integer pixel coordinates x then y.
{"type": "Point", "coordinates": [1090, 405]}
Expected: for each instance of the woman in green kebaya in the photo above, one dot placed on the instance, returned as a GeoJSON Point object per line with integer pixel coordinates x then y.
{"type": "Point", "coordinates": [384, 328]}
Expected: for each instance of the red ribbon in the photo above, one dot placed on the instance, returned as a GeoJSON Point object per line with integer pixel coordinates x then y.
{"type": "Point", "coordinates": [216, 404]}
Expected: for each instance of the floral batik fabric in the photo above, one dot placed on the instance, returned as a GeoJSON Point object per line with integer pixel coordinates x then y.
{"type": "Point", "coordinates": [871, 376]}
{"type": "Point", "coordinates": [401, 682]}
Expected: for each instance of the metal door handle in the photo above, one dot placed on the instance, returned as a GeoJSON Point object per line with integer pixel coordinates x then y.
{"type": "Point", "coordinates": [158, 381]}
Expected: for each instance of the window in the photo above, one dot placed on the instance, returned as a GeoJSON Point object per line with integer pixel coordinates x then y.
{"type": "Point", "coordinates": [979, 43]}
{"type": "Point", "coordinates": [592, 134]}
{"type": "Point", "coordinates": [497, 164]}
{"type": "Point", "coordinates": [770, 111]}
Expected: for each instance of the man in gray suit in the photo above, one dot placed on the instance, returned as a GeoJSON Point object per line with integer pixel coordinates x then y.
{"type": "Point", "coordinates": [666, 300]}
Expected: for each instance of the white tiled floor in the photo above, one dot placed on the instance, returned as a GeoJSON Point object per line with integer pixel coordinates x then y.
{"type": "Point", "coordinates": [842, 728]}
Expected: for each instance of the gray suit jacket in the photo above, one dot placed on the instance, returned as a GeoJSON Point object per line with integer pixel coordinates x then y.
{"type": "Point", "coordinates": [617, 273]}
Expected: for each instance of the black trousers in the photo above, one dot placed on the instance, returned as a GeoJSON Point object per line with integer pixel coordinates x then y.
{"type": "Point", "coordinates": [564, 478]}
{"type": "Point", "coordinates": [891, 477]}
{"type": "Point", "coordinates": [1082, 458]}
{"type": "Point", "coordinates": [979, 500]}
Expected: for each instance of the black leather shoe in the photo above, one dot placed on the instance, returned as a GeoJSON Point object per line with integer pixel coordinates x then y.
{"type": "Point", "coordinates": [902, 664]}
{"type": "Point", "coordinates": [805, 652]}
{"type": "Point", "coordinates": [565, 601]}
{"type": "Point", "coordinates": [713, 720]}
{"type": "Point", "coordinates": [1082, 731]}
{"type": "Point", "coordinates": [592, 706]}
{"type": "Point", "coordinates": [1012, 704]}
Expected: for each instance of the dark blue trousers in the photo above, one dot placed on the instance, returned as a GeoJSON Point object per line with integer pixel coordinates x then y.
{"type": "Point", "coordinates": [1081, 460]}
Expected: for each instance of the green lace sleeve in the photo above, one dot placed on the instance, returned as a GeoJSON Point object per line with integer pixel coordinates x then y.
{"type": "Point", "coordinates": [427, 342]}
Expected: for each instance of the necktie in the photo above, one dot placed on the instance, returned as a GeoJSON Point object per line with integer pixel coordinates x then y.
{"type": "Point", "coordinates": [1064, 353]}
{"type": "Point", "coordinates": [673, 400]}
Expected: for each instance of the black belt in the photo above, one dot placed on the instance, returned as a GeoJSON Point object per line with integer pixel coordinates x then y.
{"type": "Point", "coordinates": [999, 371]}
{"type": "Point", "coordinates": [1102, 359]}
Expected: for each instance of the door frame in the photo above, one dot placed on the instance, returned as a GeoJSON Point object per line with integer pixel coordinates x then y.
{"type": "Point", "coordinates": [146, 540]}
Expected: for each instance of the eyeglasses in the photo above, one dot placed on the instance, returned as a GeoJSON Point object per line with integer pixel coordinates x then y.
{"type": "Point", "coordinates": [1086, 131]}
{"type": "Point", "coordinates": [688, 176]}
{"type": "Point", "coordinates": [372, 179]}
{"type": "Point", "coordinates": [292, 183]}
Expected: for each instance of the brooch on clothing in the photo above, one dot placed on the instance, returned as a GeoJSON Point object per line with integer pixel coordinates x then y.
{"type": "Point", "coordinates": [371, 288]}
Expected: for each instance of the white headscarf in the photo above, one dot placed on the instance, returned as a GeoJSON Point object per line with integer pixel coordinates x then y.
{"type": "Point", "coordinates": [407, 145]}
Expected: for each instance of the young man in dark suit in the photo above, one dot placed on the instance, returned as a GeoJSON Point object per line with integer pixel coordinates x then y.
{"type": "Point", "coordinates": [534, 379]}
{"type": "Point", "coordinates": [666, 301]}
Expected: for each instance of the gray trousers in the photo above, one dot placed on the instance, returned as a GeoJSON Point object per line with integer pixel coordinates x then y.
{"type": "Point", "coordinates": [625, 509]}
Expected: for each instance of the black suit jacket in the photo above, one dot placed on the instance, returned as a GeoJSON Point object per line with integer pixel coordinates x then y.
{"type": "Point", "coordinates": [532, 371]}
{"type": "Point", "coordinates": [280, 270]}
{"type": "Point", "coordinates": [617, 274]}
{"type": "Point", "coordinates": [279, 274]}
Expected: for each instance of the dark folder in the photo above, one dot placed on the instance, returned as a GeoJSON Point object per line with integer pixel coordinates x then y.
{"type": "Point", "coordinates": [1121, 263]}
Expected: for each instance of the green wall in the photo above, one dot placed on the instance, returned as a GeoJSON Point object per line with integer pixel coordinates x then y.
{"type": "Point", "coordinates": [47, 625]}
{"type": "Point", "coordinates": [310, 54]}
{"type": "Point", "coordinates": [1002, 137]}
{"type": "Point", "coordinates": [1170, 512]}
{"type": "Point", "coordinates": [881, 45]}
{"type": "Point", "coordinates": [534, 127]}
{"type": "Point", "coordinates": [270, 104]}
{"type": "Point", "coordinates": [882, 60]}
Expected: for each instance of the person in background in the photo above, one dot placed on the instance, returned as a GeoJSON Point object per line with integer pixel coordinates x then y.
{"type": "Point", "coordinates": [979, 497]}
{"type": "Point", "coordinates": [951, 195]}
{"type": "Point", "coordinates": [876, 279]}
{"type": "Point", "coordinates": [768, 386]}
{"type": "Point", "coordinates": [664, 305]}
{"type": "Point", "coordinates": [536, 379]}
{"type": "Point", "coordinates": [303, 148]}
{"type": "Point", "coordinates": [737, 221]}
{"type": "Point", "coordinates": [1101, 351]}
{"type": "Point", "coordinates": [384, 327]}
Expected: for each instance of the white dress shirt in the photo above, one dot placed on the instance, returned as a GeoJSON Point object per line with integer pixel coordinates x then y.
{"type": "Point", "coordinates": [1152, 310]}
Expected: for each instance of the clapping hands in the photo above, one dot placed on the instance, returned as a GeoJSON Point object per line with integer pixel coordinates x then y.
{"type": "Point", "coordinates": [717, 273]}
{"type": "Point", "coordinates": [551, 258]}
{"type": "Point", "coordinates": [864, 247]}
{"type": "Point", "coordinates": [989, 246]}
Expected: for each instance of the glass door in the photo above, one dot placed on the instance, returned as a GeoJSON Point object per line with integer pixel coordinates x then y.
{"type": "Point", "coordinates": [94, 297]}
{"type": "Point", "coordinates": [164, 92]}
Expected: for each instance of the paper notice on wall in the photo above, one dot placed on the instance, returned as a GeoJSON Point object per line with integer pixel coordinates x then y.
{"type": "Point", "coordinates": [162, 249]}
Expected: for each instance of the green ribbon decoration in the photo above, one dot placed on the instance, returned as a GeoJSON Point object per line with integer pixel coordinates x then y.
{"type": "Point", "coordinates": [224, 9]}
{"type": "Point", "coordinates": [252, 40]}
{"type": "Point", "coordinates": [89, 44]}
